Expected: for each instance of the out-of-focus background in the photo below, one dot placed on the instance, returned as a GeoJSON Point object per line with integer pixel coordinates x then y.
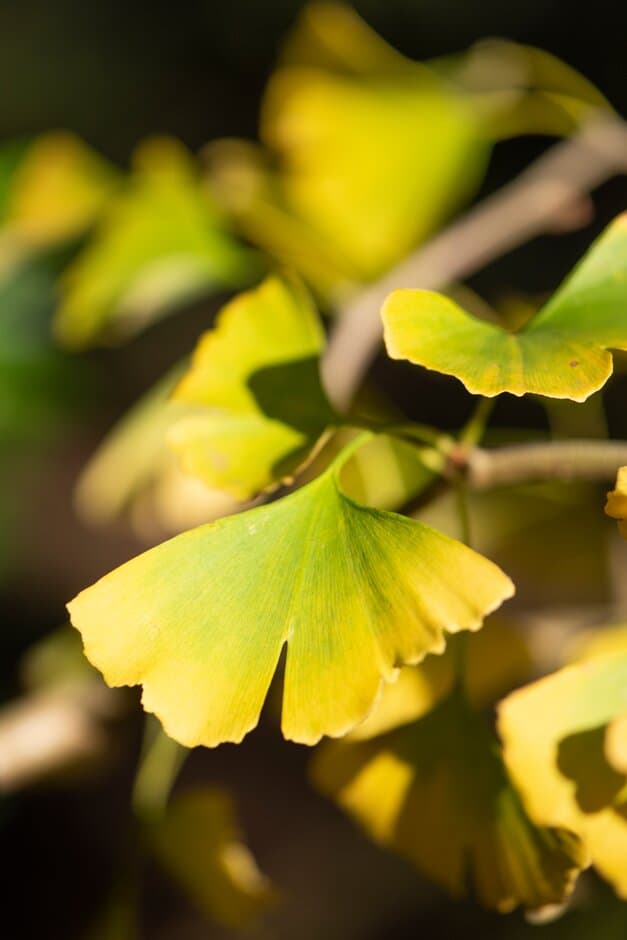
{"type": "Point", "coordinates": [115, 73]}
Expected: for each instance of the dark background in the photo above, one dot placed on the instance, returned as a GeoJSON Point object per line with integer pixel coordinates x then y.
{"type": "Point", "coordinates": [115, 72]}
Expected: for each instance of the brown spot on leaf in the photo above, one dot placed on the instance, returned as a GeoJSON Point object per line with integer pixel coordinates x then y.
{"type": "Point", "coordinates": [573, 363]}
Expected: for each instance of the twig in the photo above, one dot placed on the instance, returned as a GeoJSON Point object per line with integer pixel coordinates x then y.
{"type": "Point", "coordinates": [525, 208]}
{"type": "Point", "coordinates": [552, 460]}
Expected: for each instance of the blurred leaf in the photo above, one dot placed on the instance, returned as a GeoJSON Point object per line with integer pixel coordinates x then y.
{"type": "Point", "coordinates": [436, 791]}
{"type": "Point", "coordinates": [566, 760]}
{"type": "Point", "coordinates": [256, 382]}
{"type": "Point", "coordinates": [160, 243]}
{"type": "Point", "coordinates": [385, 473]}
{"type": "Point", "coordinates": [616, 505]}
{"type": "Point", "coordinates": [561, 353]}
{"type": "Point", "coordinates": [372, 152]}
{"type": "Point", "coordinates": [134, 473]}
{"type": "Point", "coordinates": [496, 659]}
{"type": "Point", "coordinates": [550, 538]}
{"type": "Point", "coordinates": [354, 592]}
{"type": "Point", "coordinates": [199, 843]}
{"type": "Point", "coordinates": [373, 166]}
{"type": "Point", "coordinates": [58, 189]}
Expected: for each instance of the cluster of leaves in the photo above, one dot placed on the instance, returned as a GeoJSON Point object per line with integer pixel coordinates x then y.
{"type": "Point", "coordinates": [363, 154]}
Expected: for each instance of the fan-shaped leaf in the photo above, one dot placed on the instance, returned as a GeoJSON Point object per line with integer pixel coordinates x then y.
{"type": "Point", "coordinates": [437, 792]}
{"type": "Point", "coordinates": [561, 353]}
{"type": "Point", "coordinates": [564, 740]}
{"type": "Point", "coordinates": [354, 592]}
{"type": "Point", "coordinates": [255, 379]}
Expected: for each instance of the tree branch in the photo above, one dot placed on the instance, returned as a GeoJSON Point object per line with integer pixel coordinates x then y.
{"type": "Point", "coordinates": [529, 206]}
{"type": "Point", "coordinates": [563, 461]}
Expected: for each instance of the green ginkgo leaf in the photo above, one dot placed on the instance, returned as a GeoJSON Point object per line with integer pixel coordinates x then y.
{"type": "Point", "coordinates": [353, 592]}
{"type": "Point", "coordinates": [161, 242]}
{"type": "Point", "coordinates": [436, 791]}
{"type": "Point", "coordinates": [565, 741]}
{"type": "Point", "coordinates": [563, 352]}
{"type": "Point", "coordinates": [256, 382]}
{"type": "Point", "coordinates": [199, 843]}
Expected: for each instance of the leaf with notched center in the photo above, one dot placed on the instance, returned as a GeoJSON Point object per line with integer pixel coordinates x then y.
{"type": "Point", "coordinates": [436, 791]}
{"type": "Point", "coordinates": [563, 352]}
{"type": "Point", "coordinates": [200, 621]}
{"type": "Point", "coordinates": [255, 381]}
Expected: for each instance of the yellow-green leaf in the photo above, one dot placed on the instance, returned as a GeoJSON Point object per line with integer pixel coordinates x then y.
{"type": "Point", "coordinates": [199, 843]}
{"type": "Point", "coordinates": [496, 660]}
{"type": "Point", "coordinates": [563, 352]}
{"type": "Point", "coordinates": [372, 166]}
{"type": "Point", "coordinates": [353, 592]}
{"type": "Point", "coordinates": [59, 188]}
{"type": "Point", "coordinates": [616, 505]}
{"type": "Point", "coordinates": [564, 745]}
{"type": "Point", "coordinates": [436, 791]}
{"type": "Point", "coordinates": [161, 242]}
{"type": "Point", "coordinates": [255, 380]}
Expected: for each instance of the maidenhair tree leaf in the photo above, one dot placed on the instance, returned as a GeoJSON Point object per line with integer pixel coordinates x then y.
{"type": "Point", "coordinates": [348, 159]}
{"type": "Point", "coordinates": [616, 505]}
{"type": "Point", "coordinates": [256, 381]}
{"type": "Point", "coordinates": [496, 660]}
{"type": "Point", "coordinates": [564, 743]}
{"type": "Point", "coordinates": [58, 189]}
{"type": "Point", "coordinates": [436, 791]}
{"type": "Point", "coordinates": [354, 592]}
{"type": "Point", "coordinates": [199, 843]}
{"type": "Point", "coordinates": [563, 352]}
{"type": "Point", "coordinates": [160, 243]}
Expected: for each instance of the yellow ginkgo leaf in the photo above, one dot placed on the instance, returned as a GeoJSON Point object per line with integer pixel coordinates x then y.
{"type": "Point", "coordinates": [564, 743]}
{"type": "Point", "coordinates": [563, 352]}
{"type": "Point", "coordinates": [255, 381]}
{"type": "Point", "coordinates": [353, 592]}
{"type": "Point", "coordinates": [496, 660]}
{"type": "Point", "coordinates": [199, 843]}
{"type": "Point", "coordinates": [616, 505]}
{"type": "Point", "coordinates": [59, 188]}
{"type": "Point", "coordinates": [436, 791]}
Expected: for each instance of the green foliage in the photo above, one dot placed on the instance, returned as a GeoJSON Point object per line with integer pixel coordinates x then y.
{"type": "Point", "coordinates": [436, 790]}
{"type": "Point", "coordinates": [255, 379]}
{"type": "Point", "coordinates": [302, 571]}
{"type": "Point", "coordinates": [160, 242]}
{"type": "Point", "coordinates": [363, 154]}
{"type": "Point", "coordinates": [561, 353]}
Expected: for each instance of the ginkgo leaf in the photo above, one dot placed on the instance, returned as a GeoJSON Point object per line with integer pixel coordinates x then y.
{"type": "Point", "coordinates": [353, 172]}
{"type": "Point", "coordinates": [616, 505]}
{"type": "Point", "coordinates": [161, 242]}
{"type": "Point", "coordinates": [256, 382]}
{"type": "Point", "coordinates": [353, 592]}
{"type": "Point", "coordinates": [563, 352]}
{"type": "Point", "coordinates": [59, 188]}
{"type": "Point", "coordinates": [497, 658]}
{"type": "Point", "coordinates": [564, 744]}
{"type": "Point", "coordinates": [199, 843]}
{"type": "Point", "coordinates": [436, 791]}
